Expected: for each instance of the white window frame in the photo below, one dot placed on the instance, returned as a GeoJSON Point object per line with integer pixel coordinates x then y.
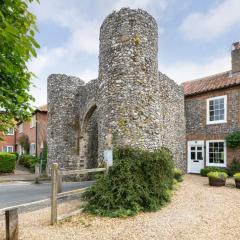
{"type": "Point", "coordinates": [10, 134]}
{"type": "Point", "coordinates": [31, 153]}
{"type": "Point", "coordinates": [33, 121]}
{"type": "Point", "coordinates": [20, 128]}
{"type": "Point", "coordinates": [7, 148]}
{"type": "Point", "coordinates": [207, 154]}
{"type": "Point", "coordinates": [225, 110]}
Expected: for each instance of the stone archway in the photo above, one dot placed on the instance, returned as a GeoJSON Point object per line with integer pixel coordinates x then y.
{"type": "Point", "coordinates": [88, 139]}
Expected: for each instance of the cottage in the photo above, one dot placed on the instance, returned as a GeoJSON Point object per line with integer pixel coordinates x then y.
{"type": "Point", "coordinates": [212, 108]}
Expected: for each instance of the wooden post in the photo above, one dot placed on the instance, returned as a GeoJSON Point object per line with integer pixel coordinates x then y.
{"type": "Point", "coordinates": [11, 224]}
{"type": "Point", "coordinates": [60, 178]}
{"type": "Point", "coordinates": [54, 193]}
{"type": "Point", "coordinates": [37, 173]}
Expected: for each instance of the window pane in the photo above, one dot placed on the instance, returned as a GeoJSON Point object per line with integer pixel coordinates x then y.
{"type": "Point", "coordinates": [193, 155]}
{"type": "Point", "coordinates": [10, 149]}
{"type": "Point", "coordinates": [216, 152]}
{"type": "Point", "coordinates": [199, 156]}
{"type": "Point", "coordinates": [199, 148]}
{"type": "Point", "coordinates": [192, 148]}
{"type": "Point", "coordinates": [216, 109]}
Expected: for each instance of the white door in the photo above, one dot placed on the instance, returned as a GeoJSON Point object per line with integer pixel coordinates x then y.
{"type": "Point", "coordinates": [195, 156]}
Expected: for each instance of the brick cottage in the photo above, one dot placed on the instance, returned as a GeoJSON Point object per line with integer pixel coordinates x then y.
{"type": "Point", "coordinates": [212, 106]}
{"type": "Point", "coordinates": [7, 144]}
{"type": "Point", "coordinates": [35, 131]}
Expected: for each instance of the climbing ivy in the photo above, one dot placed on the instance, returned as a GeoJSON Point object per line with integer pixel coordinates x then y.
{"type": "Point", "coordinates": [233, 139]}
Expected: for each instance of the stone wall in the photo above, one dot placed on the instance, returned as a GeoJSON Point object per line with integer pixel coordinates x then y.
{"type": "Point", "coordinates": [142, 107]}
{"type": "Point", "coordinates": [173, 120]}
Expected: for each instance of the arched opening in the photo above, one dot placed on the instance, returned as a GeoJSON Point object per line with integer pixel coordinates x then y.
{"type": "Point", "coordinates": [88, 139]}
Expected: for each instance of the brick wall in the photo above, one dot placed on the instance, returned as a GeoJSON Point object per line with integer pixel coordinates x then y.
{"type": "Point", "coordinates": [196, 110]}
{"type": "Point", "coordinates": [8, 140]}
{"type": "Point", "coordinates": [32, 132]}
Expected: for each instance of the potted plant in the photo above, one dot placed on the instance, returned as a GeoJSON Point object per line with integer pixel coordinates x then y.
{"type": "Point", "coordinates": [237, 179]}
{"type": "Point", "coordinates": [217, 179]}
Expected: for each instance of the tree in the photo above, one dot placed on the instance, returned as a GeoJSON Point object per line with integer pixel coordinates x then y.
{"type": "Point", "coordinates": [24, 143]}
{"type": "Point", "coordinates": [17, 47]}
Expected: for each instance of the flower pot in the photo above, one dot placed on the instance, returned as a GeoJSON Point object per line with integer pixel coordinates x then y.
{"type": "Point", "coordinates": [217, 182]}
{"type": "Point", "coordinates": [237, 182]}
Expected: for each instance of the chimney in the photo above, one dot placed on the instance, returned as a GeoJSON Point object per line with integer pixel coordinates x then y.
{"type": "Point", "coordinates": [236, 57]}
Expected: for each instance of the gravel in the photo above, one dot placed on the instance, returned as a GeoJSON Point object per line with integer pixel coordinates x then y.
{"type": "Point", "coordinates": [197, 211]}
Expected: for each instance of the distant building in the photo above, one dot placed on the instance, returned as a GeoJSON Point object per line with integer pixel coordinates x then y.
{"type": "Point", "coordinates": [35, 131]}
{"type": "Point", "coordinates": [8, 143]}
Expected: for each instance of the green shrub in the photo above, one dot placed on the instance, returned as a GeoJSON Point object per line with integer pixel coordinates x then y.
{"type": "Point", "coordinates": [16, 154]}
{"type": "Point", "coordinates": [7, 162]}
{"type": "Point", "coordinates": [217, 175]}
{"type": "Point", "coordinates": [234, 168]}
{"type": "Point", "coordinates": [28, 161]}
{"type": "Point", "coordinates": [138, 181]}
{"type": "Point", "coordinates": [178, 174]}
{"type": "Point", "coordinates": [237, 176]}
{"type": "Point", "coordinates": [204, 171]}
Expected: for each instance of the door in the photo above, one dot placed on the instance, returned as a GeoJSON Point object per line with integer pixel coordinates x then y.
{"type": "Point", "coordinates": [195, 156]}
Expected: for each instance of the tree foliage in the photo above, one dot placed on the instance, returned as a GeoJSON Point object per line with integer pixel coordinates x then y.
{"type": "Point", "coordinates": [17, 47]}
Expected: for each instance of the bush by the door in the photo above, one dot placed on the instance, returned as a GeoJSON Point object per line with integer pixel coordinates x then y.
{"type": "Point", "coordinates": [204, 171]}
{"type": "Point", "coordinates": [138, 181]}
{"type": "Point", "coordinates": [234, 167]}
{"type": "Point", "coordinates": [7, 162]}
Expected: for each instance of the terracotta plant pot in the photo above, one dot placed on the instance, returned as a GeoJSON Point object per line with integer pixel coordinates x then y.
{"type": "Point", "coordinates": [237, 182]}
{"type": "Point", "coordinates": [216, 182]}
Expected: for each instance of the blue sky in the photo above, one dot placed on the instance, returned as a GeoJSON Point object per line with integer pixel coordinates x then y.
{"type": "Point", "coordinates": [195, 37]}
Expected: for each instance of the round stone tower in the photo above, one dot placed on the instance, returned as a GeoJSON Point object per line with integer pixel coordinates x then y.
{"type": "Point", "coordinates": [128, 94]}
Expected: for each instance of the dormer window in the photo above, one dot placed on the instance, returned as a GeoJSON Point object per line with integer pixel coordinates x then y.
{"type": "Point", "coordinates": [217, 110]}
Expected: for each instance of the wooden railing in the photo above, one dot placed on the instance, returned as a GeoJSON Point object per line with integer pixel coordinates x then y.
{"type": "Point", "coordinates": [57, 176]}
{"type": "Point", "coordinates": [11, 213]}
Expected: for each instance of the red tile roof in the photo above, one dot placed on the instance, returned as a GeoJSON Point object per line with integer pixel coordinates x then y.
{"type": "Point", "coordinates": [214, 82]}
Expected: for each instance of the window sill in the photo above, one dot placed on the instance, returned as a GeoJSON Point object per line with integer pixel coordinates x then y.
{"type": "Point", "coordinates": [216, 122]}
{"type": "Point", "coordinates": [216, 164]}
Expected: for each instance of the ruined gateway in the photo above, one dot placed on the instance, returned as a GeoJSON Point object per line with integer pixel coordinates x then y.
{"type": "Point", "coordinates": [140, 105]}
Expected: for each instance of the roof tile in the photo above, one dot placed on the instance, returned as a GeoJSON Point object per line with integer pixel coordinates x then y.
{"type": "Point", "coordinates": [214, 82]}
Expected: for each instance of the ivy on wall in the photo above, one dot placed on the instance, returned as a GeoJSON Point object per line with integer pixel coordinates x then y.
{"type": "Point", "coordinates": [233, 139]}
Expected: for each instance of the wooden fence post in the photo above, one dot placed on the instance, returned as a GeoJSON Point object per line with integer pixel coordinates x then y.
{"type": "Point", "coordinates": [54, 193]}
{"type": "Point", "coordinates": [60, 179]}
{"type": "Point", "coordinates": [37, 173]}
{"type": "Point", "coordinates": [11, 224]}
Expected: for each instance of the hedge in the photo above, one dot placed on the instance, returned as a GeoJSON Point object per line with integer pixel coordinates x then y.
{"type": "Point", "coordinates": [28, 161]}
{"type": "Point", "coordinates": [138, 181]}
{"type": "Point", "coordinates": [7, 162]}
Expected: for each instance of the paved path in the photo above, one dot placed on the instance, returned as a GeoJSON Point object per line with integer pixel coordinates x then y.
{"type": "Point", "coordinates": [15, 193]}
{"type": "Point", "coordinates": [20, 174]}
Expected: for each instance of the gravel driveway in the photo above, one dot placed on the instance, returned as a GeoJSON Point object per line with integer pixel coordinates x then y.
{"type": "Point", "coordinates": [197, 211]}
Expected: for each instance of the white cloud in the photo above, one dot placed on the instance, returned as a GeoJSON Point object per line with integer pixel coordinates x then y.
{"type": "Point", "coordinates": [182, 71]}
{"type": "Point", "coordinates": [213, 23]}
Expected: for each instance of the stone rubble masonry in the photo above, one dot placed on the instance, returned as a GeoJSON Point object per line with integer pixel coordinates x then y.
{"type": "Point", "coordinates": [131, 98]}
